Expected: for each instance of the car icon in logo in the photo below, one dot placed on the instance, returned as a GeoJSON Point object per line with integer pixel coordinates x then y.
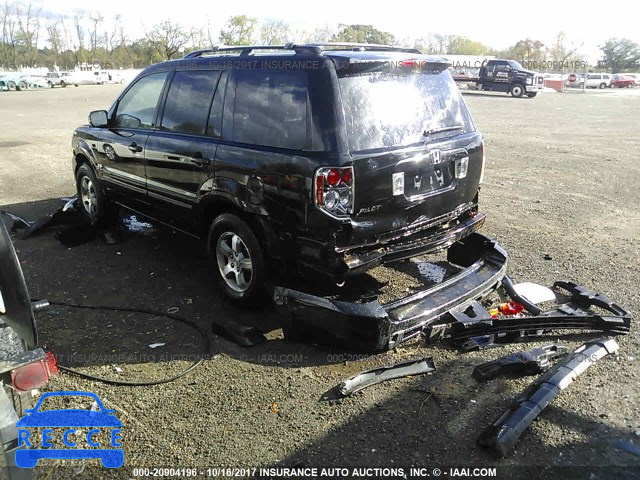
{"type": "Point", "coordinates": [30, 451]}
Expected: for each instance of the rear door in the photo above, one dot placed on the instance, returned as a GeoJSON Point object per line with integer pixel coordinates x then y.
{"type": "Point", "coordinates": [120, 150]}
{"type": "Point", "coordinates": [415, 151]}
{"type": "Point", "coordinates": [181, 152]}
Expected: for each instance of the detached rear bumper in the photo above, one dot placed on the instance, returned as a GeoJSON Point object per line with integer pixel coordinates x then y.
{"type": "Point", "coordinates": [370, 326]}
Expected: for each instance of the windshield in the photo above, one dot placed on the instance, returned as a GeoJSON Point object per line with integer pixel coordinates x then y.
{"type": "Point", "coordinates": [389, 110]}
{"type": "Point", "coordinates": [515, 65]}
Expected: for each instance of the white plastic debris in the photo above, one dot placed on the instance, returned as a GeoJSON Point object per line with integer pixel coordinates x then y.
{"type": "Point", "coordinates": [118, 369]}
{"type": "Point", "coordinates": [534, 293]}
{"type": "Point", "coordinates": [156, 345]}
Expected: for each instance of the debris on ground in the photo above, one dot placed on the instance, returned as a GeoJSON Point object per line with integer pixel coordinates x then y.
{"type": "Point", "coordinates": [243, 335]}
{"type": "Point", "coordinates": [371, 377]}
{"type": "Point", "coordinates": [628, 446]}
{"type": "Point", "coordinates": [532, 362]}
{"type": "Point", "coordinates": [505, 431]}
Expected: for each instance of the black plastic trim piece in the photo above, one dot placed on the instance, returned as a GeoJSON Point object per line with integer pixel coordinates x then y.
{"type": "Point", "coordinates": [503, 434]}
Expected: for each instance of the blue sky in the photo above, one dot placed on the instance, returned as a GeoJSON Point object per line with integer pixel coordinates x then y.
{"type": "Point", "coordinates": [497, 24]}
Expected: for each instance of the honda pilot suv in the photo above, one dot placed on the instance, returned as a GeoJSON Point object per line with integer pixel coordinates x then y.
{"type": "Point", "coordinates": [330, 157]}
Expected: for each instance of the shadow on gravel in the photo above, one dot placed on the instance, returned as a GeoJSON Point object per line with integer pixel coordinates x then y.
{"type": "Point", "coordinates": [489, 94]}
{"type": "Point", "coordinates": [434, 420]}
{"type": "Point", "coordinates": [150, 267]}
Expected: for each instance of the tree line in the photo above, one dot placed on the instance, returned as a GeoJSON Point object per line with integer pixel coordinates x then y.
{"type": "Point", "coordinates": [31, 39]}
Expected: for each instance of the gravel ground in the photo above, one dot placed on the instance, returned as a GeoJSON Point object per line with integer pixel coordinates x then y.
{"type": "Point", "coordinates": [561, 195]}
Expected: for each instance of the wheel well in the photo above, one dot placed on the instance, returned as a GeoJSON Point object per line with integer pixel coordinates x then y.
{"type": "Point", "coordinates": [268, 239]}
{"type": "Point", "coordinates": [80, 159]}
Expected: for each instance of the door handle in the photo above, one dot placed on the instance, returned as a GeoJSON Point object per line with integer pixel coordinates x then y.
{"type": "Point", "coordinates": [135, 148]}
{"type": "Point", "coordinates": [199, 160]}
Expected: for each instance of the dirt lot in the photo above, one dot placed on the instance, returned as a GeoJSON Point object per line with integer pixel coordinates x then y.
{"type": "Point", "coordinates": [561, 194]}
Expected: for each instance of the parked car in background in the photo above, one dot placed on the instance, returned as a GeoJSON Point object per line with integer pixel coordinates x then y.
{"type": "Point", "coordinates": [54, 79]}
{"type": "Point", "coordinates": [635, 76]}
{"type": "Point", "coordinates": [623, 81]}
{"type": "Point", "coordinates": [101, 77]}
{"type": "Point", "coordinates": [84, 78]}
{"type": "Point", "coordinates": [598, 80]}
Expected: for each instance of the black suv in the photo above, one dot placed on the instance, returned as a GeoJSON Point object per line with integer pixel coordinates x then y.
{"type": "Point", "coordinates": [329, 157]}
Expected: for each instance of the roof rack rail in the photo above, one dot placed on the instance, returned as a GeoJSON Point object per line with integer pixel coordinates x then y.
{"type": "Point", "coordinates": [248, 49]}
{"type": "Point", "coordinates": [362, 47]}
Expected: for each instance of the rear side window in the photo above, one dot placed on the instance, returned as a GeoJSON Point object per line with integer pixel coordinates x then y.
{"type": "Point", "coordinates": [270, 108]}
{"type": "Point", "coordinates": [137, 108]}
{"type": "Point", "coordinates": [189, 100]}
{"type": "Point", "coordinates": [388, 110]}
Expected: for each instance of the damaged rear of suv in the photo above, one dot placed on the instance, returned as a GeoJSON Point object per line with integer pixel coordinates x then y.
{"type": "Point", "coordinates": [329, 157]}
{"type": "Point", "coordinates": [409, 164]}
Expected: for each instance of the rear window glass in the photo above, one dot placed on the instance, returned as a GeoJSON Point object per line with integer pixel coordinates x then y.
{"type": "Point", "coordinates": [387, 110]}
{"type": "Point", "coordinates": [271, 108]}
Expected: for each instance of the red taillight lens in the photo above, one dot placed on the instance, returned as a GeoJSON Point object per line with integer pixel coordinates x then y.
{"type": "Point", "coordinates": [334, 191]}
{"type": "Point", "coordinates": [34, 375]}
{"type": "Point", "coordinates": [511, 308]}
{"type": "Point", "coordinates": [319, 189]}
{"type": "Point", "coordinates": [333, 177]}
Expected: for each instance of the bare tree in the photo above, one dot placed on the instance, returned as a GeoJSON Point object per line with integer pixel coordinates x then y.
{"type": "Point", "coordinates": [168, 39]}
{"type": "Point", "coordinates": [29, 31]}
{"type": "Point", "coordinates": [96, 20]}
{"type": "Point", "coordinates": [8, 46]}
{"type": "Point", "coordinates": [79, 30]}
{"type": "Point", "coordinates": [274, 32]}
{"type": "Point", "coordinates": [240, 30]}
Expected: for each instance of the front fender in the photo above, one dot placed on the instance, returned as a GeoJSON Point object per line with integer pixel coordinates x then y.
{"type": "Point", "coordinates": [83, 148]}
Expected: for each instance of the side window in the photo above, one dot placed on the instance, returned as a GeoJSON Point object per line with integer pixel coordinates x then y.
{"type": "Point", "coordinates": [137, 109]}
{"type": "Point", "coordinates": [270, 108]}
{"type": "Point", "coordinates": [189, 100]}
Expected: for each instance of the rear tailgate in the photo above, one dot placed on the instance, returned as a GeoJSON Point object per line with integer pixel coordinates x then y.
{"type": "Point", "coordinates": [416, 154]}
{"type": "Point", "coordinates": [399, 188]}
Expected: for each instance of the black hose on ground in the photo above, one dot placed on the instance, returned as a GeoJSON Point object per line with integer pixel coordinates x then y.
{"type": "Point", "coordinates": [203, 333]}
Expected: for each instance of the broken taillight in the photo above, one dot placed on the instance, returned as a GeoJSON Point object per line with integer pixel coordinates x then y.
{"type": "Point", "coordinates": [334, 191]}
{"type": "Point", "coordinates": [34, 375]}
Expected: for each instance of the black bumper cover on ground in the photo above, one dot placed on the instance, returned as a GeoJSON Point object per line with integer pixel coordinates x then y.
{"type": "Point", "coordinates": [370, 326]}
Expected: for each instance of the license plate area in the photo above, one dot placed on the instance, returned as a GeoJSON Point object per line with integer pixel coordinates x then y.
{"type": "Point", "coordinates": [431, 174]}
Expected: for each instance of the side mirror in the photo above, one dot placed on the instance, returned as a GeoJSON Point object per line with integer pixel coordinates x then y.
{"type": "Point", "coordinates": [98, 118]}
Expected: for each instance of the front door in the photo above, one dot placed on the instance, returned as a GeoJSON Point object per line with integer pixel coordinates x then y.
{"type": "Point", "coordinates": [181, 152]}
{"type": "Point", "coordinates": [120, 149]}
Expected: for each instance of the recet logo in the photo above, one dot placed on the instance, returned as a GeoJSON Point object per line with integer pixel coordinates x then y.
{"type": "Point", "coordinates": [83, 433]}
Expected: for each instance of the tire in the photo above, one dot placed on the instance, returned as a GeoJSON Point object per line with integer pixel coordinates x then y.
{"type": "Point", "coordinates": [603, 85]}
{"type": "Point", "coordinates": [230, 242]}
{"type": "Point", "coordinates": [50, 84]}
{"type": "Point", "coordinates": [63, 84]}
{"type": "Point", "coordinates": [517, 90]}
{"type": "Point", "coordinates": [11, 86]}
{"type": "Point", "coordinates": [93, 201]}
{"type": "Point", "coordinates": [532, 94]}
{"type": "Point", "coordinates": [22, 85]}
